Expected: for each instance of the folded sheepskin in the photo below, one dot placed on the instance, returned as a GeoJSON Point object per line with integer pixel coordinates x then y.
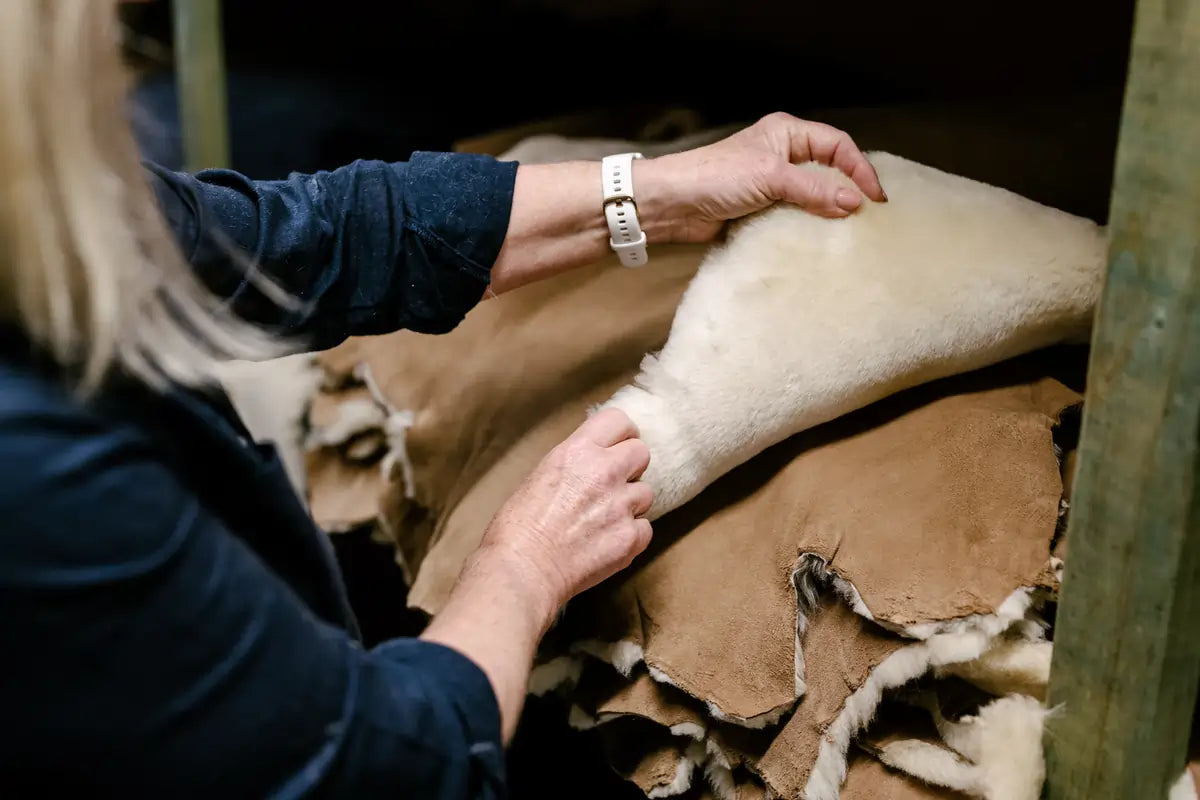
{"type": "Point", "coordinates": [900, 529]}
{"type": "Point", "coordinates": [800, 319]}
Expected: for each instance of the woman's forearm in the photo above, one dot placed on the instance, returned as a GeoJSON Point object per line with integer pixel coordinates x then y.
{"type": "Point", "coordinates": [496, 616]}
{"type": "Point", "coordinates": [557, 221]}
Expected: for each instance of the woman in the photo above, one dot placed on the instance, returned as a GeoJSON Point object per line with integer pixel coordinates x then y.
{"type": "Point", "coordinates": [173, 624]}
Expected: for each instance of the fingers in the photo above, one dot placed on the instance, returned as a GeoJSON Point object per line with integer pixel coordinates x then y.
{"type": "Point", "coordinates": [825, 144]}
{"type": "Point", "coordinates": [828, 145]}
{"type": "Point", "coordinates": [640, 497]}
{"type": "Point", "coordinates": [607, 427]}
{"type": "Point", "coordinates": [632, 456]}
{"type": "Point", "coordinates": [642, 534]}
{"type": "Point", "coordinates": [633, 539]}
{"type": "Point", "coordinates": [816, 192]}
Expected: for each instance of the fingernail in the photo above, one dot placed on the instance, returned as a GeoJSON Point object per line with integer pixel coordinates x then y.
{"type": "Point", "coordinates": [848, 200]}
{"type": "Point", "coordinates": [882, 192]}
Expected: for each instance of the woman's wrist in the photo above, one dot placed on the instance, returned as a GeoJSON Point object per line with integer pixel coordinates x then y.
{"type": "Point", "coordinates": [495, 616]}
{"type": "Point", "coordinates": [557, 220]}
{"type": "Point", "coordinates": [656, 195]}
{"type": "Point", "coordinates": [513, 580]}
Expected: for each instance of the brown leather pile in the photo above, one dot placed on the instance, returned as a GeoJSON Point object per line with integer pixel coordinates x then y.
{"type": "Point", "coordinates": [760, 642]}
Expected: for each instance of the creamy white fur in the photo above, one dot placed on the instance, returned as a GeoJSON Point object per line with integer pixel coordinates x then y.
{"type": "Point", "coordinates": [719, 772]}
{"type": "Point", "coordinates": [623, 655]}
{"type": "Point", "coordinates": [995, 755]}
{"type": "Point", "coordinates": [798, 319]}
{"type": "Point", "coordinates": [547, 677]}
{"type": "Point", "coordinates": [1184, 788]}
{"type": "Point", "coordinates": [681, 783]}
{"type": "Point", "coordinates": [1014, 666]}
{"type": "Point", "coordinates": [395, 428]}
{"type": "Point", "coordinates": [766, 719]}
{"type": "Point", "coordinates": [693, 757]}
{"type": "Point", "coordinates": [549, 148]}
{"type": "Point", "coordinates": [354, 417]}
{"type": "Point", "coordinates": [930, 763]}
{"type": "Point", "coordinates": [272, 397]}
{"type": "Point", "coordinates": [692, 730]}
{"type": "Point", "coordinates": [964, 641]}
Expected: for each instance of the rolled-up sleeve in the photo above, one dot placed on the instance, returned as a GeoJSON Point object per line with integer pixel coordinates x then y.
{"type": "Point", "coordinates": [153, 654]}
{"type": "Point", "coordinates": [366, 249]}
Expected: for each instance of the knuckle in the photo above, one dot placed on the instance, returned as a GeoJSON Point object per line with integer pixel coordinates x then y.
{"type": "Point", "coordinates": [637, 537]}
{"type": "Point", "coordinates": [778, 118]}
{"type": "Point", "coordinates": [567, 446]}
{"type": "Point", "coordinates": [617, 414]}
{"type": "Point", "coordinates": [576, 451]}
{"type": "Point", "coordinates": [606, 413]}
{"type": "Point", "coordinates": [616, 417]}
{"type": "Point", "coordinates": [612, 469]}
{"type": "Point", "coordinates": [813, 189]}
{"type": "Point", "coordinates": [832, 130]}
{"type": "Point", "coordinates": [827, 131]}
{"type": "Point", "coordinates": [639, 452]}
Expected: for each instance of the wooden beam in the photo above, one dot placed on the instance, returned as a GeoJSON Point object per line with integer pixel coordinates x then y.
{"type": "Point", "coordinates": [200, 76]}
{"type": "Point", "coordinates": [1127, 637]}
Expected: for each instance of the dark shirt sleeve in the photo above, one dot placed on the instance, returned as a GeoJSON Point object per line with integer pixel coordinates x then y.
{"type": "Point", "coordinates": [149, 652]}
{"type": "Point", "coordinates": [366, 249]}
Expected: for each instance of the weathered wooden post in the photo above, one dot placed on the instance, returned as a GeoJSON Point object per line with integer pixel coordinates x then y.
{"type": "Point", "coordinates": [1127, 638]}
{"type": "Point", "coordinates": [200, 75]}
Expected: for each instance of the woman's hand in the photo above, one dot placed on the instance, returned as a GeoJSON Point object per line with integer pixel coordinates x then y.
{"type": "Point", "coordinates": [574, 521]}
{"type": "Point", "coordinates": [557, 220]}
{"type": "Point", "coordinates": [689, 196]}
{"type": "Point", "coordinates": [577, 518]}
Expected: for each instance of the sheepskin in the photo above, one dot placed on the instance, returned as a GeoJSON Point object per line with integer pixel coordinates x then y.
{"type": "Point", "coordinates": [549, 148]}
{"type": "Point", "coordinates": [922, 520]}
{"type": "Point", "coordinates": [489, 399]}
{"type": "Point", "coordinates": [968, 541]}
{"type": "Point", "coordinates": [272, 399]}
{"type": "Point", "coordinates": [1185, 787]}
{"type": "Point", "coordinates": [657, 762]}
{"type": "Point", "coordinates": [994, 754]}
{"type": "Point", "coordinates": [604, 694]}
{"type": "Point", "coordinates": [855, 663]}
{"type": "Point", "coordinates": [1018, 666]}
{"type": "Point", "coordinates": [713, 609]}
{"type": "Point", "coordinates": [799, 320]}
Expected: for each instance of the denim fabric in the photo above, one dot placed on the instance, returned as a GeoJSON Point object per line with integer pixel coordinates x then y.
{"type": "Point", "coordinates": [174, 624]}
{"type": "Point", "coordinates": [368, 248]}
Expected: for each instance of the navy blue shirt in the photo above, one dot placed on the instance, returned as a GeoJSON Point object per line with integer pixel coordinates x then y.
{"type": "Point", "coordinates": [172, 622]}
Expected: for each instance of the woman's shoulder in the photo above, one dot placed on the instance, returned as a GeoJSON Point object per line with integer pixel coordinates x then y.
{"type": "Point", "coordinates": [39, 414]}
{"type": "Point", "coordinates": [83, 496]}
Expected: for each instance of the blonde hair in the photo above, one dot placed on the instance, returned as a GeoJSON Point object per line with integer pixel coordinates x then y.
{"type": "Point", "coordinates": [88, 267]}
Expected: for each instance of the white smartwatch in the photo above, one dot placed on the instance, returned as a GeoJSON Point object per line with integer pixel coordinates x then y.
{"type": "Point", "coordinates": [626, 237]}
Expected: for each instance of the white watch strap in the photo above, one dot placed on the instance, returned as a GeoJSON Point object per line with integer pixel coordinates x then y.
{"type": "Point", "coordinates": [626, 237]}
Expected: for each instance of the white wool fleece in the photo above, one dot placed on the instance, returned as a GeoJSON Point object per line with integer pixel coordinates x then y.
{"type": "Point", "coordinates": [798, 319]}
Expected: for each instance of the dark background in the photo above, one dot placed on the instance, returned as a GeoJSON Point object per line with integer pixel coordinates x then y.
{"type": "Point", "coordinates": [315, 85]}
